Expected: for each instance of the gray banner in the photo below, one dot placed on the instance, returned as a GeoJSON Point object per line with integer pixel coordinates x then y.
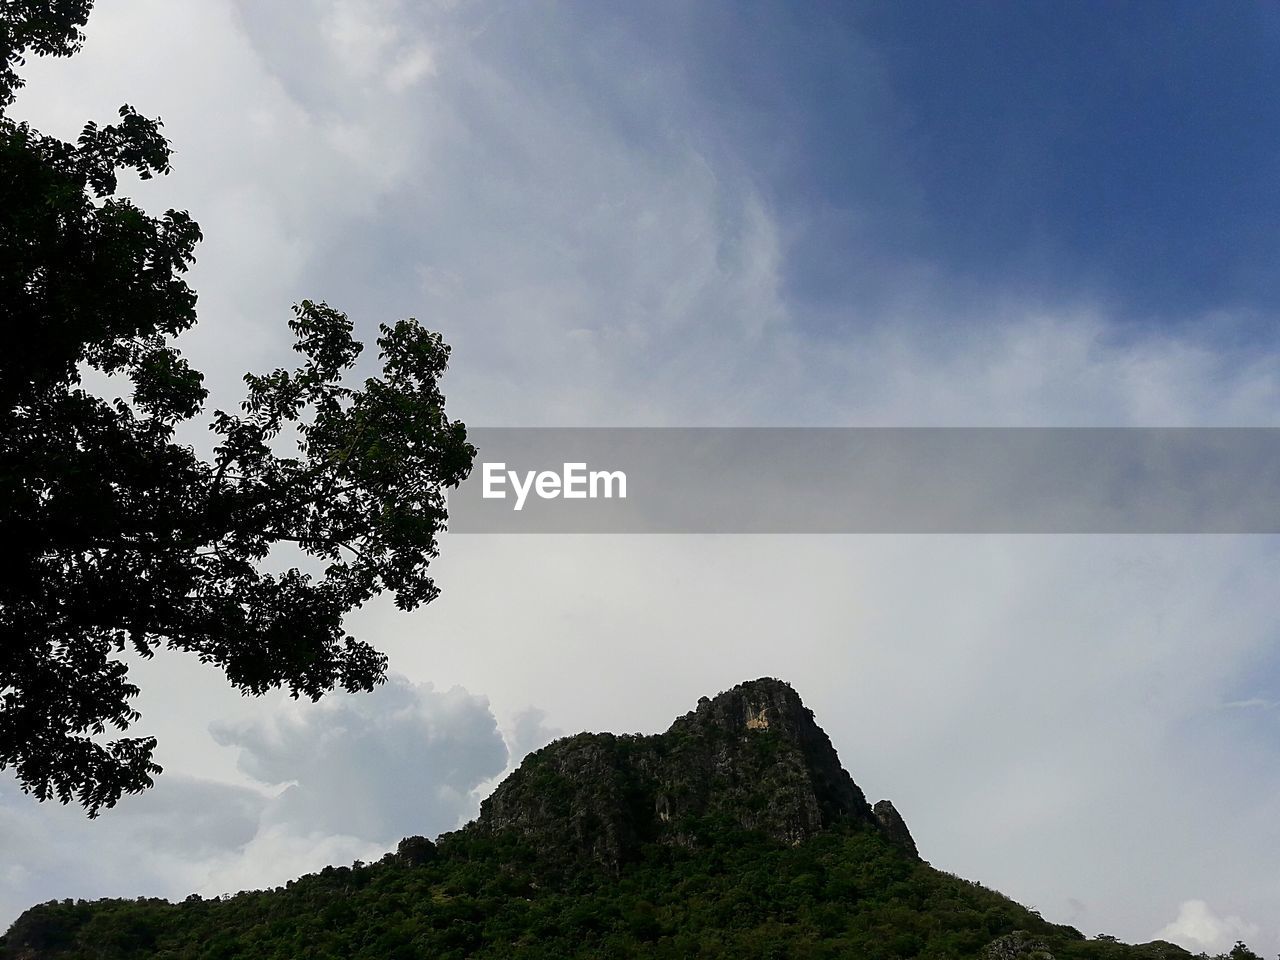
{"type": "Point", "coordinates": [871, 480]}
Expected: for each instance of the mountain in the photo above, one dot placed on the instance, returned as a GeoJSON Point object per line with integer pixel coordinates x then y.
{"type": "Point", "coordinates": [752, 759]}
{"type": "Point", "coordinates": [737, 833]}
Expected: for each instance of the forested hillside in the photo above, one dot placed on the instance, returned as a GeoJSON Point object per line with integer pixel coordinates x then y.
{"type": "Point", "coordinates": [735, 834]}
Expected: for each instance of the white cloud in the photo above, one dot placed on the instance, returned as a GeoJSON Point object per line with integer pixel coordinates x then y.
{"type": "Point", "coordinates": [412, 67]}
{"type": "Point", "coordinates": [399, 761]}
{"type": "Point", "coordinates": [341, 780]}
{"type": "Point", "coordinates": [359, 34]}
{"type": "Point", "coordinates": [165, 842]}
{"type": "Point", "coordinates": [528, 731]}
{"type": "Point", "coordinates": [1199, 928]}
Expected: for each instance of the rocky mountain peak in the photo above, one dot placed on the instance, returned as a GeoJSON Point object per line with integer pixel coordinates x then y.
{"type": "Point", "coordinates": [762, 704]}
{"type": "Point", "coordinates": [752, 758]}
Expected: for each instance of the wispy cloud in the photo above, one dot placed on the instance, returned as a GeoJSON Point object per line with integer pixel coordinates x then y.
{"type": "Point", "coordinates": [1253, 703]}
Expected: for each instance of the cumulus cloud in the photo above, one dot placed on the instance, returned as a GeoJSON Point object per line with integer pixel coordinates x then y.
{"type": "Point", "coordinates": [1197, 927]}
{"type": "Point", "coordinates": [353, 774]}
{"type": "Point", "coordinates": [400, 761]}
{"type": "Point", "coordinates": [337, 781]}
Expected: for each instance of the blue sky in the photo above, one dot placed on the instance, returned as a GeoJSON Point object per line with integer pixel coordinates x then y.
{"type": "Point", "coordinates": [1119, 156]}
{"type": "Point", "coordinates": [1122, 152]}
{"type": "Point", "coordinates": [1020, 214]}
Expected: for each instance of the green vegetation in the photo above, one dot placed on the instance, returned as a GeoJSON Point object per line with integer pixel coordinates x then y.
{"type": "Point", "coordinates": [846, 892]}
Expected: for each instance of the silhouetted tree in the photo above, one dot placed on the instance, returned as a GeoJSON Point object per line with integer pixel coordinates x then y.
{"type": "Point", "coordinates": [114, 535]}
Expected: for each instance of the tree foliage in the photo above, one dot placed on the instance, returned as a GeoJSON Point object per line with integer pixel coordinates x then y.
{"type": "Point", "coordinates": [117, 536]}
{"type": "Point", "coordinates": [846, 893]}
{"type": "Point", "coordinates": [49, 28]}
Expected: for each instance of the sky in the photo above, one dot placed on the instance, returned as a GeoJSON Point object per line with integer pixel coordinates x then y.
{"type": "Point", "coordinates": [742, 214]}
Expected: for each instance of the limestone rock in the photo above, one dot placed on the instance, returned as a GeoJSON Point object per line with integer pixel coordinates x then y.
{"type": "Point", "coordinates": [894, 827]}
{"type": "Point", "coordinates": [752, 758]}
{"type": "Point", "coordinates": [1018, 945]}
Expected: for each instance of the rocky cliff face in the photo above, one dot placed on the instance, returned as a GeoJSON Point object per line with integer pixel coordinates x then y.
{"type": "Point", "coordinates": [893, 826]}
{"type": "Point", "coordinates": [752, 759]}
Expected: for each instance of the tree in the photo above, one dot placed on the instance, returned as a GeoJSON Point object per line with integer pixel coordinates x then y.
{"type": "Point", "coordinates": [116, 536]}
